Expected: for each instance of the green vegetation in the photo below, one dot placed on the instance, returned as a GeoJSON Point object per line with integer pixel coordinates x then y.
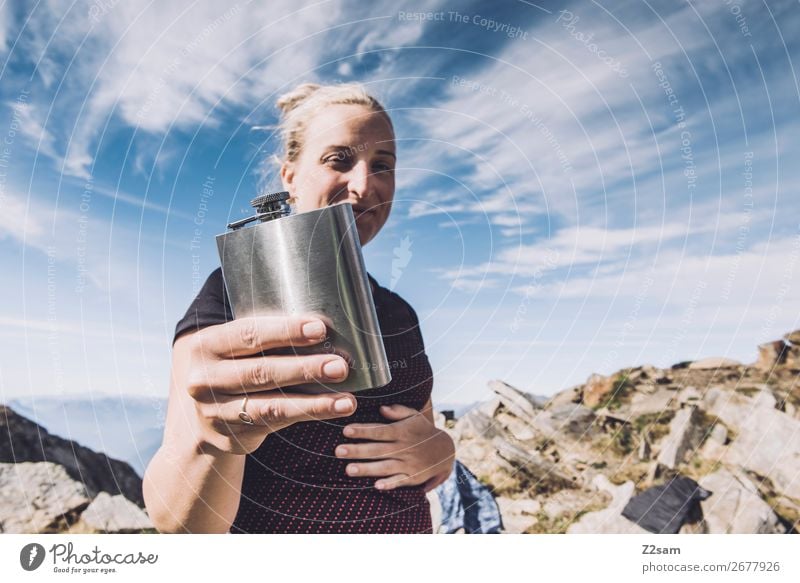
{"type": "Point", "coordinates": [619, 394]}
{"type": "Point", "coordinates": [653, 426]}
{"type": "Point", "coordinates": [546, 524]}
{"type": "Point", "coordinates": [706, 424]}
{"type": "Point", "coordinates": [624, 441]}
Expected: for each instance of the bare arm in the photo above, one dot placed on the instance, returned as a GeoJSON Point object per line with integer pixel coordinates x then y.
{"type": "Point", "coordinates": [427, 410]}
{"type": "Point", "coordinates": [190, 486]}
{"type": "Point", "coordinates": [193, 484]}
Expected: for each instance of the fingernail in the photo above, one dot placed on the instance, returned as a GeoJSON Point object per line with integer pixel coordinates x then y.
{"type": "Point", "coordinates": [335, 368]}
{"type": "Point", "coordinates": [352, 469]}
{"type": "Point", "coordinates": [349, 431]}
{"type": "Point", "coordinates": [341, 451]}
{"type": "Point", "coordinates": [343, 405]}
{"type": "Point", "coordinates": [313, 330]}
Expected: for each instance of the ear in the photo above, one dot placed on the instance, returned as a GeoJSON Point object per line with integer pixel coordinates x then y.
{"type": "Point", "coordinates": [287, 177]}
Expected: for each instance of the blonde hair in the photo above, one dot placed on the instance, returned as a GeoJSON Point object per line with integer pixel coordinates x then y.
{"type": "Point", "coordinates": [297, 107]}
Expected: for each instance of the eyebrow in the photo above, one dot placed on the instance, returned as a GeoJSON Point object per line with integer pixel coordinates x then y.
{"type": "Point", "coordinates": [351, 148]}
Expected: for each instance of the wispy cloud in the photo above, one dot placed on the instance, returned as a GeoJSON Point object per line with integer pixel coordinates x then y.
{"type": "Point", "coordinates": [5, 23]}
{"type": "Point", "coordinates": [584, 253]}
{"type": "Point", "coordinates": [167, 66]}
{"type": "Point", "coordinates": [33, 131]}
{"type": "Point", "coordinates": [21, 223]}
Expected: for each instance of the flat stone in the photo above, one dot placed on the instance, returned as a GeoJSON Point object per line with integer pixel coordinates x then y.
{"type": "Point", "coordinates": [683, 437]}
{"type": "Point", "coordinates": [768, 443]}
{"type": "Point", "coordinates": [516, 426]}
{"type": "Point", "coordinates": [518, 515]}
{"type": "Point", "coordinates": [657, 402]}
{"type": "Point", "coordinates": [689, 395]}
{"type": "Point", "coordinates": [793, 337]}
{"type": "Point", "coordinates": [473, 425]}
{"type": "Point", "coordinates": [735, 408]}
{"type": "Point", "coordinates": [514, 400]}
{"type": "Point", "coordinates": [736, 506]}
{"type": "Point", "coordinates": [33, 495]}
{"type": "Point", "coordinates": [610, 520]}
{"type": "Point", "coordinates": [714, 362]}
{"type": "Point", "coordinates": [771, 355]}
{"type": "Point", "coordinates": [490, 407]}
{"type": "Point", "coordinates": [115, 514]}
{"type": "Point", "coordinates": [573, 418]}
{"type": "Point", "coordinates": [571, 395]}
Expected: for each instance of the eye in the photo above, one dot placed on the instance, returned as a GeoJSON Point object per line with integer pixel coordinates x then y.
{"type": "Point", "coordinates": [383, 167]}
{"type": "Point", "coordinates": [339, 159]}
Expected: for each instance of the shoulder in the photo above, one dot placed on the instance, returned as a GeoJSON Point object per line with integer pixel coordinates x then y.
{"type": "Point", "coordinates": [405, 306]}
{"type": "Point", "coordinates": [215, 286]}
{"type": "Point", "coordinates": [396, 311]}
{"type": "Point", "coordinates": [211, 306]}
{"type": "Point", "coordinates": [393, 300]}
{"type": "Point", "coordinates": [215, 276]}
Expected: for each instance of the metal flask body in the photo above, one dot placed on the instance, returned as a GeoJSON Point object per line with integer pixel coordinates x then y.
{"type": "Point", "coordinates": [309, 263]}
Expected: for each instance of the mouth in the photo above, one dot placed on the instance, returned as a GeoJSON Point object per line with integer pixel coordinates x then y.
{"type": "Point", "coordinates": [363, 212]}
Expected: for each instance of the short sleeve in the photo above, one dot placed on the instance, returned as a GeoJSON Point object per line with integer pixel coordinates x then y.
{"type": "Point", "coordinates": [210, 307]}
{"type": "Point", "coordinates": [415, 322]}
{"type": "Point", "coordinates": [405, 316]}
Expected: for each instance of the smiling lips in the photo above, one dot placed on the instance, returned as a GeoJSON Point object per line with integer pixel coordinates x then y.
{"type": "Point", "coordinates": [362, 212]}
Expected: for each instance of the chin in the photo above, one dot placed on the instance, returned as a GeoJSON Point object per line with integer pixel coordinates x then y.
{"type": "Point", "coordinates": [364, 238]}
{"type": "Point", "coordinates": [366, 232]}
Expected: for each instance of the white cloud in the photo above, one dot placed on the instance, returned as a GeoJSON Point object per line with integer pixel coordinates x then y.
{"type": "Point", "coordinates": [88, 242]}
{"type": "Point", "coordinates": [171, 65]}
{"type": "Point", "coordinates": [21, 222]}
{"type": "Point", "coordinates": [575, 246]}
{"type": "Point", "coordinates": [755, 275]}
{"type": "Point", "coordinates": [77, 330]}
{"type": "Point", "coordinates": [507, 220]}
{"type": "Point", "coordinates": [31, 127]}
{"type": "Point", "coordinates": [5, 25]}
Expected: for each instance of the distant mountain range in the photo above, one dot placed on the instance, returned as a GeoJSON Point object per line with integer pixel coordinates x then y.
{"type": "Point", "coordinates": [127, 428]}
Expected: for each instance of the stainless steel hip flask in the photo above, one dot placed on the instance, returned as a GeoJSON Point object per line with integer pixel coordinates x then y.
{"type": "Point", "coordinates": [307, 263]}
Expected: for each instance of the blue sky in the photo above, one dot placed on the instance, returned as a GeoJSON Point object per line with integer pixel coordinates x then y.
{"type": "Point", "coordinates": [580, 186]}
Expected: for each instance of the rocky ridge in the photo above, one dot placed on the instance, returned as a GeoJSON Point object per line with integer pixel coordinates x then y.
{"type": "Point", "coordinates": [49, 484]}
{"type": "Point", "coordinates": [571, 464]}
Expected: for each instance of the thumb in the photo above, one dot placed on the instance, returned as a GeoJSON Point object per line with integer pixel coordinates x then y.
{"type": "Point", "coordinates": [397, 411]}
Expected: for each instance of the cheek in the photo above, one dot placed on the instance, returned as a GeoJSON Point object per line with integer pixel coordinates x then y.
{"type": "Point", "coordinates": [317, 190]}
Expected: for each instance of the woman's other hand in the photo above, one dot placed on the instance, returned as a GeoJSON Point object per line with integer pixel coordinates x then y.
{"type": "Point", "coordinates": [409, 451]}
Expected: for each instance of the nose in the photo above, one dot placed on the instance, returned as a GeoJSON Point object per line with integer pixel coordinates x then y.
{"type": "Point", "coordinates": [359, 182]}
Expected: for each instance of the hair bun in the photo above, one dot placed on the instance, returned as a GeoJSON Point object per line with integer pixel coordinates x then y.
{"type": "Point", "coordinates": [291, 99]}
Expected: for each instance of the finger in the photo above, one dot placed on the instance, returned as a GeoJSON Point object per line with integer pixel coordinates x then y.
{"type": "Point", "coordinates": [377, 469]}
{"type": "Point", "coordinates": [363, 451]}
{"type": "Point", "coordinates": [259, 373]}
{"type": "Point", "coordinates": [373, 431]}
{"type": "Point", "coordinates": [247, 336]}
{"type": "Point", "coordinates": [276, 410]}
{"type": "Point", "coordinates": [397, 412]}
{"type": "Point", "coordinates": [393, 482]}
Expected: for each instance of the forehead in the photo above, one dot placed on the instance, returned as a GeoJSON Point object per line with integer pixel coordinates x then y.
{"type": "Point", "coordinates": [348, 125]}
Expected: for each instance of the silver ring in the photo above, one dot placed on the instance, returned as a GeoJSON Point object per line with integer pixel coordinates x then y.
{"type": "Point", "coordinates": [244, 415]}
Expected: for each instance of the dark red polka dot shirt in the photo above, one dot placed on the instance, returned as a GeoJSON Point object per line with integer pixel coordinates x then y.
{"type": "Point", "coordinates": [294, 483]}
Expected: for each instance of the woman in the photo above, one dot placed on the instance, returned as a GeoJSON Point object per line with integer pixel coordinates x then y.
{"type": "Point", "coordinates": [337, 463]}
